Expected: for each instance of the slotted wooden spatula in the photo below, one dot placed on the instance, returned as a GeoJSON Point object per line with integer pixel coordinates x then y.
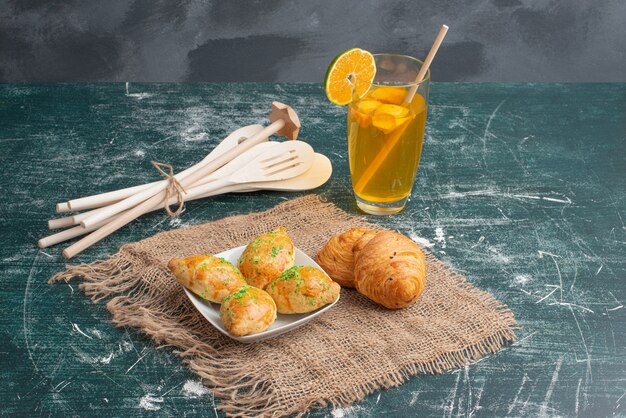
{"type": "Point", "coordinates": [281, 162]}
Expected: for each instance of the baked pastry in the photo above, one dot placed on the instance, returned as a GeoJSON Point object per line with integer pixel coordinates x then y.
{"type": "Point", "coordinates": [336, 257]}
{"type": "Point", "coordinates": [248, 311]}
{"type": "Point", "coordinates": [266, 257]}
{"type": "Point", "coordinates": [362, 242]}
{"type": "Point", "coordinates": [207, 276]}
{"type": "Point", "coordinates": [302, 289]}
{"type": "Point", "coordinates": [390, 270]}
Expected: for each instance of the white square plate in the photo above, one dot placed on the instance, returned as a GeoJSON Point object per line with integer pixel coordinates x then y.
{"type": "Point", "coordinates": [283, 323]}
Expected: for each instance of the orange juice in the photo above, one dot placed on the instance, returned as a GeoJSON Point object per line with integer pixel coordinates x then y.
{"type": "Point", "coordinates": [380, 124]}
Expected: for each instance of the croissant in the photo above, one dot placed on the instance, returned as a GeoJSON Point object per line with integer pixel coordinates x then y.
{"type": "Point", "coordinates": [266, 257]}
{"type": "Point", "coordinates": [336, 257]}
{"type": "Point", "coordinates": [362, 242]}
{"type": "Point", "coordinates": [302, 289]}
{"type": "Point", "coordinates": [390, 270]}
{"type": "Point", "coordinates": [207, 276]}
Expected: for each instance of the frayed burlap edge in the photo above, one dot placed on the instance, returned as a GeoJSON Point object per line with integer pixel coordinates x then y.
{"type": "Point", "coordinates": [242, 393]}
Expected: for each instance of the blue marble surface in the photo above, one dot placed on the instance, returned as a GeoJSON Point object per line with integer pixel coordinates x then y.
{"type": "Point", "coordinates": [521, 188]}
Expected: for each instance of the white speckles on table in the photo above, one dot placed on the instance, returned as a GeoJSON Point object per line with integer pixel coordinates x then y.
{"type": "Point", "coordinates": [520, 188]}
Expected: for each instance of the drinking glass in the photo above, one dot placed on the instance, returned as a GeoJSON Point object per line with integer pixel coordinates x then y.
{"type": "Point", "coordinates": [385, 135]}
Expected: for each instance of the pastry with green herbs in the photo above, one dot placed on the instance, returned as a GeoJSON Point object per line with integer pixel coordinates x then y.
{"type": "Point", "coordinates": [266, 257]}
{"type": "Point", "coordinates": [207, 276]}
{"type": "Point", "coordinates": [248, 311]}
{"type": "Point", "coordinates": [302, 289]}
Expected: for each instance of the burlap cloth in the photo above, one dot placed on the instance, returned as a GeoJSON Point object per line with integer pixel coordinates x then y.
{"type": "Point", "coordinates": [340, 357]}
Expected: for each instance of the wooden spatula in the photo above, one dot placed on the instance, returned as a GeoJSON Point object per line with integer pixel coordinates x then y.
{"type": "Point", "coordinates": [287, 160]}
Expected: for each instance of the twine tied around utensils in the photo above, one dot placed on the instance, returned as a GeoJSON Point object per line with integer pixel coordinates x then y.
{"type": "Point", "coordinates": [173, 188]}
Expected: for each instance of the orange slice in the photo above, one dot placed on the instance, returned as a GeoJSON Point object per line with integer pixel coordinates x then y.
{"type": "Point", "coordinates": [393, 95]}
{"type": "Point", "coordinates": [388, 117]}
{"type": "Point", "coordinates": [364, 110]}
{"type": "Point", "coordinates": [392, 110]}
{"type": "Point", "coordinates": [351, 73]}
{"type": "Point", "coordinates": [384, 122]}
{"type": "Point", "coordinates": [368, 106]}
{"type": "Point", "coordinates": [363, 119]}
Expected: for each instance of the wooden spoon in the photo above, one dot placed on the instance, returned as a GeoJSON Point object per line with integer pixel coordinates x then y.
{"type": "Point", "coordinates": [232, 166]}
{"type": "Point", "coordinates": [103, 199]}
{"type": "Point", "coordinates": [285, 122]}
{"type": "Point", "coordinates": [318, 174]}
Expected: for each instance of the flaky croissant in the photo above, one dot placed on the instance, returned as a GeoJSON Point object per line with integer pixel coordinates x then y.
{"type": "Point", "coordinates": [302, 289]}
{"type": "Point", "coordinates": [266, 257]}
{"type": "Point", "coordinates": [362, 242]}
{"type": "Point", "coordinates": [336, 257]}
{"type": "Point", "coordinates": [390, 270]}
{"type": "Point", "coordinates": [248, 311]}
{"type": "Point", "coordinates": [207, 276]}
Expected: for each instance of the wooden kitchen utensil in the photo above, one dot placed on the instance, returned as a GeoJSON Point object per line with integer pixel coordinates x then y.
{"type": "Point", "coordinates": [287, 160]}
{"type": "Point", "coordinates": [284, 122]}
{"type": "Point", "coordinates": [234, 165]}
{"type": "Point", "coordinates": [318, 174]}
{"type": "Point", "coordinates": [103, 199]}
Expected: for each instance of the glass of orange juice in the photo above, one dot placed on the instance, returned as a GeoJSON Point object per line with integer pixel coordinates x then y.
{"type": "Point", "coordinates": [385, 135]}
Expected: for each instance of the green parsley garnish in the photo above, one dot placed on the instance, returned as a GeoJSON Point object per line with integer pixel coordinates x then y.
{"type": "Point", "coordinates": [238, 294]}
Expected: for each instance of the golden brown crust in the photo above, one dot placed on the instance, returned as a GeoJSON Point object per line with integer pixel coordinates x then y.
{"type": "Point", "coordinates": [207, 276]}
{"type": "Point", "coordinates": [336, 256]}
{"type": "Point", "coordinates": [248, 311]}
{"type": "Point", "coordinates": [390, 270]}
{"type": "Point", "coordinates": [302, 289]}
{"type": "Point", "coordinates": [362, 242]}
{"type": "Point", "coordinates": [266, 257]}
